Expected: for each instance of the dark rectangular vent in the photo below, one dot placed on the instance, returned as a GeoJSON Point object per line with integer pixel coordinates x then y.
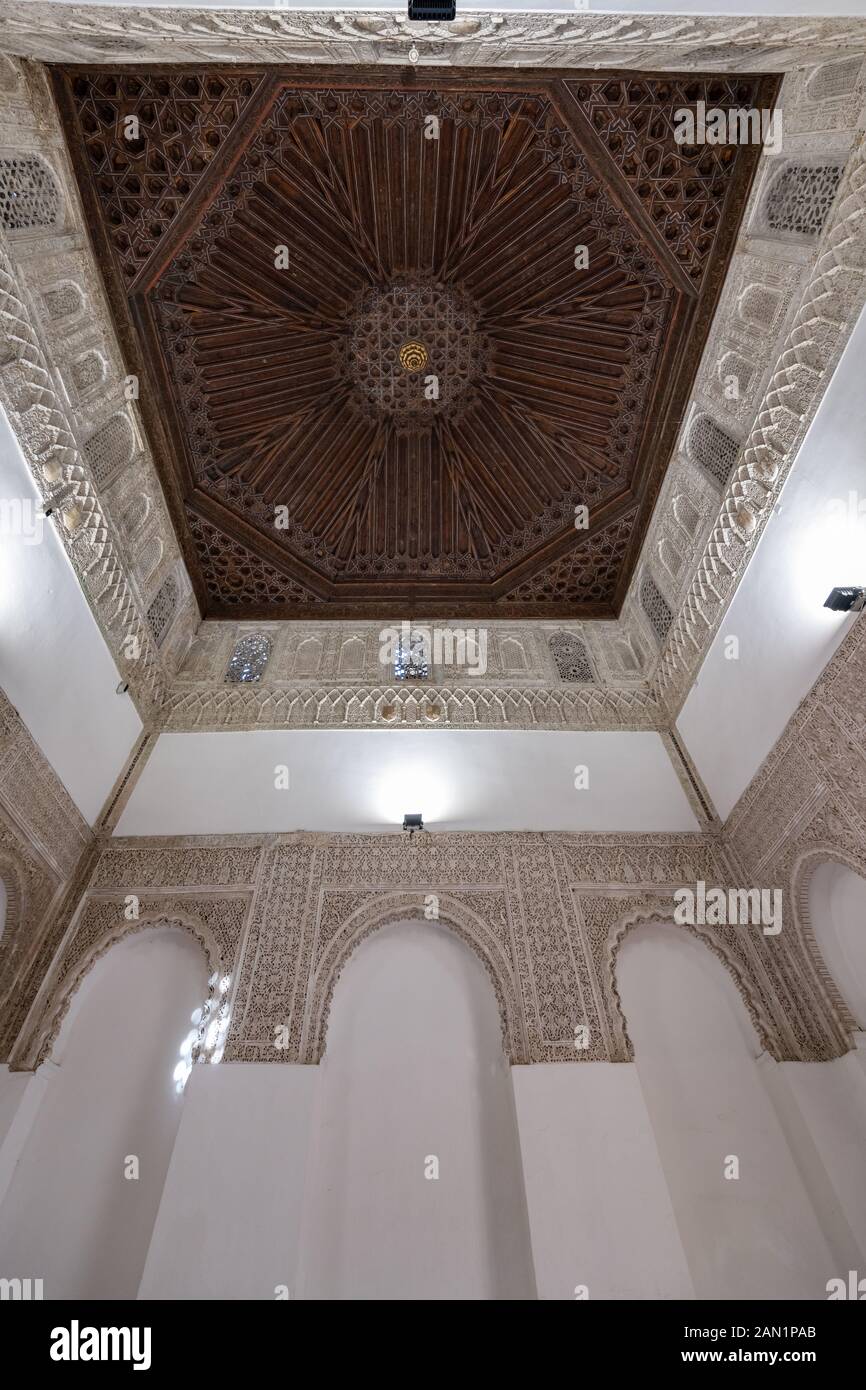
{"type": "Point", "coordinates": [422, 9]}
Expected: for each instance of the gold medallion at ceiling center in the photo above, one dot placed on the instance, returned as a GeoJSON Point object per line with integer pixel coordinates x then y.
{"type": "Point", "coordinates": [413, 357]}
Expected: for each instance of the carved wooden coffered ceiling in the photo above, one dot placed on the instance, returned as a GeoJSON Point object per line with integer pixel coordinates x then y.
{"type": "Point", "coordinates": [376, 364]}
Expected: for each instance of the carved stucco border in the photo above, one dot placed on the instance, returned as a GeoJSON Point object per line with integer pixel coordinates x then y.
{"type": "Point", "coordinates": [52, 426]}
{"type": "Point", "coordinates": [808, 861]}
{"type": "Point", "coordinates": [657, 914]}
{"type": "Point", "coordinates": [830, 305]}
{"type": "Point", "coordinates": [768, 990]}
{"type": "Point", "coordinates": [84, 33]}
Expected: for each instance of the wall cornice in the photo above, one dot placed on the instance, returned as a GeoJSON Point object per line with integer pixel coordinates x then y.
{"type": "Point", "coordinates": [84, 33]}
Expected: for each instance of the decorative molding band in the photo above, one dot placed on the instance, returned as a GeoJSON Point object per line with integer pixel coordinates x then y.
{"type": "Point", "coordinates": [309, 706]}
{"type": "Point", "coordinates": [42, 430]}
{"type": "Point", "coordinates": [87, 33]}
{"type": "Point", "coordinates": [83, 447]}
{"type": "Point", "coordinates": [829, 307]}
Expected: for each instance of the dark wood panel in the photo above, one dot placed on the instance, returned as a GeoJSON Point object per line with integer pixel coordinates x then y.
{"type": "Point", "coordinates": [276, 392]}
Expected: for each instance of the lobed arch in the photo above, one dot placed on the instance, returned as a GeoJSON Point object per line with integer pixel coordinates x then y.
{"type": "Point", "coordinates": [651, 913]}
{"type": "Point", "coordinates": [13, 872]}
{"type": "Point", "coordinates": [46, 1031]}
{"type": "Point", "coordinates": [389, 908]}
{"type": "Point", "coordinates": [802, 873]}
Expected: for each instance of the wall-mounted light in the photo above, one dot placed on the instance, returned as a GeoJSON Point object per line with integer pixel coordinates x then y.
{"type": "Point", "coordinates": [426, 11]}
{"type": "Point", "coordinates": [413, 822]}
{"type": "Point", "coordinates": [846, 599]}
{"type": "Point", "coordinates": [121, 687]}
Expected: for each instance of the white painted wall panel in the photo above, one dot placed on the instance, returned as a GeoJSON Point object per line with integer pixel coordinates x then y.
{"type": "Point", "coordinates": [365, 779]}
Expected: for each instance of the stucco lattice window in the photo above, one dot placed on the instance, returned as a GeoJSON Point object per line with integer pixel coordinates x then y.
{"type": "Point", "coordinates": [249, 658]}
{"type": "Point", "coordinates": [570, 655]}
{"type": "Point", "coordinates": [28, 194]}
{"type": "Point", "coordinates": [656, 608]}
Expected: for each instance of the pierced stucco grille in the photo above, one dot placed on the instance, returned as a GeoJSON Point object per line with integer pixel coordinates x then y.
{"type": "Point", "coordinates": [712, 448]}
{"type": "Point", "coordinates": [161, 611]}
{"type": "Point", "coordinates": [112, 446]}
{"type": "Point", "coordinates": [570, 655]}
{"type": "Point", "coordinates": [656, 608]}
{"type": "Point", "coordinates": [412, 661]}
{"type": "Point", "coordinates": [801, 198]}
{"type": "Point", "coordinates": [249, 658]}
{"type": "Point", "coordinates": [28, 194]}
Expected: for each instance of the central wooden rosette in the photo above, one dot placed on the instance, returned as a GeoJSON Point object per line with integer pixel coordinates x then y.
{"type": "Point", "coordinates": [413, 357]}
{"type": "Point", "coordinates": [415, 352]}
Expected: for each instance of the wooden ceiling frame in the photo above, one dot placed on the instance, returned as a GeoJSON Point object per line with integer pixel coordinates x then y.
{"type": "Point", "coordinates": [623, 510]}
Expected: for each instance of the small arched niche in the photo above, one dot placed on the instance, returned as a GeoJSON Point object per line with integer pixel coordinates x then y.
{"type": "Point", "coordinates": [72, 1216]}
{"type": "Point", "coordinates": [744, 1216]}
{"type": "Point", "coordinates": [837, 909]}
{"type": "Point", "coordinates": [414, 1081]}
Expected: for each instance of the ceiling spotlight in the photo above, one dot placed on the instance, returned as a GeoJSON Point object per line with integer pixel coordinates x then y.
{"type": "Point", "coordinates": [121, 688]}
{"type": "Point", "coordinates": [413, 822]}
{"type": "Point", "coordinates": [846, 599]}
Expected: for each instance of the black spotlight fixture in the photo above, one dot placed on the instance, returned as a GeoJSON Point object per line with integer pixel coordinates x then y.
{"type": "Point", "coordinates": [845, 599]}
{"type": "Point", "coordinates": [429, 11]}
{"type": "Point", "coordinates": [413, 822]}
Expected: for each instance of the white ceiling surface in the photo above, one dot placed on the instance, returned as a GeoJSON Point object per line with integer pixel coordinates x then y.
{"type": "Point", "coordinates": [54, 665]}
{"type": "Point", "coordinates": [823, 9]}
{"type": "Point", "coordinates": [366, 779]}
{"type": "Point", "coordinates": [738, 708]}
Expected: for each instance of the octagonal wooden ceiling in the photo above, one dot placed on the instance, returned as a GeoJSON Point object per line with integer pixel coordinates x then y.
{"type": "Point", "coordinates": [272, 240]}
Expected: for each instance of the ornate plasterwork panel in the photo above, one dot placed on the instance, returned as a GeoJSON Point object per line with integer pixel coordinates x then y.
{"type": "Point", "coordinates": [833, 294]}
{"type": "Point", "coordinates": [64, 387]}
{"type": "Point", "coordinates": [806, 805]}
{"type": "Point", "coordinates": [341, 674]}
{"type": "Point", "coordinates": [648, 43]}
{"type": "Point", "coordinates": [42, 840]}
{"type": "Point", "coordinates": [546, 914]}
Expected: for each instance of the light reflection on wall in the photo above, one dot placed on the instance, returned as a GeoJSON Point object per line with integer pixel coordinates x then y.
{"type": "Point", "coordinates": [829, 552]}
{"type": "Point", "coordinates": [205, 1042]}
{"type": "Point", "coordinates": [414, 783]}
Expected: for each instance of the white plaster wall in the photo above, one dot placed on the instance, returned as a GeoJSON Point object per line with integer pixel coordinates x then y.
{"type": "Point", "coordinates": [837, 908]}
{"type": "Point", "coordinates": [54, 664]}
{"type": "Point", "coordinates": [365, 779]}
{"type": "Point", "coordinates": [738, 708]}
{"type": "Point", "coordinates": [414, 1068]}
{"type": "Point", "coordinates": [12, 1087]}
{"type": "Point", "coordinates": [229, 1220]}
{"type": "Point", "coordinates": [69, 1216]}
{"type": "Point", "coordinates": [756, 1237]}
{"type": "Point", "coordinates": [599, 1208]}
{"type": "Point", "coordinates": [822, 1110]}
